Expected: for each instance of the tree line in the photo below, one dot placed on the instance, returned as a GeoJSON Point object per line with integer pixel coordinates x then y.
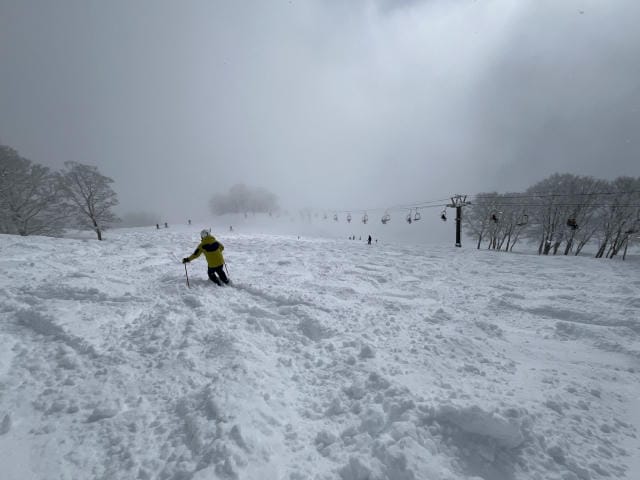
{"type": "Point", "coordinates": [560, 215]}
{"type": "Point", "coordinates": [34, 200]}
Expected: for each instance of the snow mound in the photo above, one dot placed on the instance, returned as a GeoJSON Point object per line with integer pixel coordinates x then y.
{"type": "Point", "coordinates": [497, 429]}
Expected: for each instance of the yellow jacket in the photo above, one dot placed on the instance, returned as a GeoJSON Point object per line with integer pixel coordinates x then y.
{"type": "Point", "coordinates": [212, 250]}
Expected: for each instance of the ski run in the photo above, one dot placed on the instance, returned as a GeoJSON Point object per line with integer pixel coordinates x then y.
{"type": "Point", "coordinates": [326, 359]}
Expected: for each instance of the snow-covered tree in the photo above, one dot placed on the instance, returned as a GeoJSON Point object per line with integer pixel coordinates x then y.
{"type": "Point", "coordinates": [477, 216]}
{"type": "Point", "coordinates": [562, 214]}
{"type": "Point", "coordinates": [548, 211]}
{"type": "Point", "coordinates": [498, 219]}
{"type": "Point", "coordinates": [29, 197]}
{"type": "Point", "coordinates": [89, 196]}
{"type": "Point", "coordinates": [509, 220]}
{"type": "Point", "coordinates": [619, 219]}
{"type": "Point", "coordinates": [562, 210]}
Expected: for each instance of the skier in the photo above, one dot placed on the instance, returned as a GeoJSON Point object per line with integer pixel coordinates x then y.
{"type": "Point", "coordinates": [369, 240]}
{"type": "Point", "coordinates": [212, 250]}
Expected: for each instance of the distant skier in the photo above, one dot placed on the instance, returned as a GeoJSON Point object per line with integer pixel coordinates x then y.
{"type": "Point", "coordinates": [166, 225]}
{"type": "Point", "coordinates": [157, 226]}
{"type": "Point", "coordinates": [369, 240]}
{"type": "Point", "coordinates": [212, 250]}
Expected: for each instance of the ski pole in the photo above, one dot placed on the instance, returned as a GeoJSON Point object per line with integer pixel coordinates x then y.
{"type": "Point", "coordinates": [225, 267]}
{"type": "Point", "coordinates": [187, 275]}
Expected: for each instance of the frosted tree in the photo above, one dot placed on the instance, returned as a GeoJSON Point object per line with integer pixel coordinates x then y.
{"type": "Point", "coordinates": [619, 219]}
{"type": "Point", "coordinates": [29, 197]}
{"type": "Point", "coordinates": [562, 209]}
{"type": "Point", "coordinates": [89, 196]}
{"type": "Point", "coordinates": [477, 217]}
{"type": "Point", "coordinates": [632, 236]}
{"type": "Point", "coordinates": [586, 194]}
{"type": "Point", "coordinates": [498, 219]}
{"type": "Point", "coordinates": [548, 213]}
{"type": "Point", "coordinates": [510, 220]}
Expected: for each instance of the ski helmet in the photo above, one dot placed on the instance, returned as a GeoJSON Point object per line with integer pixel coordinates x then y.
{"type": "Point", "coordinates": [204, 233]}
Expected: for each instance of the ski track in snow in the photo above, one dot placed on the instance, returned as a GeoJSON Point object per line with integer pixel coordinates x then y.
{"type": "Point", "coordinates": [325, 359]}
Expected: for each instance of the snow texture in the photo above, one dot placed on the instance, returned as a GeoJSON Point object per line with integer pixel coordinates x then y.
{"type": "Point", "coordinates": [326, 359]}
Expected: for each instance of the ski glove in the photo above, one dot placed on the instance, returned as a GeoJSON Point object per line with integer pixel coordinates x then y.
{"type": "Point", "coordinates": [185, 260]}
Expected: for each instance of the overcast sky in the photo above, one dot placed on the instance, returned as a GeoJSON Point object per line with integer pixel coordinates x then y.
{"type": "Point", "coordinates": [335, 104]}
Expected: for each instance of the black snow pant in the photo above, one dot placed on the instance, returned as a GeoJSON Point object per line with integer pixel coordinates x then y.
{"type": "Point", "coordinates": [212, 271]}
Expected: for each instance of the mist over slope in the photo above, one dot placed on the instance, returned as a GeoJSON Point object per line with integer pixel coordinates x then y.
{"type": "Point", "coordinates": [429, 230]}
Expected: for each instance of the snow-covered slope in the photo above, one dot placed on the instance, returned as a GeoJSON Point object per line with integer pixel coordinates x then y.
{"type": "Point", "coordinates": [327, 359]}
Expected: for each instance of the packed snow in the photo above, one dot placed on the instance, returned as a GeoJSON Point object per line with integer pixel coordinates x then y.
{"type": "Point", "coordinates": [325, 359]}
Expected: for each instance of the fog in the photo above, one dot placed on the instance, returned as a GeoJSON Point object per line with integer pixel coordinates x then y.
{"type": "Point", "coordinates": [329, 104]}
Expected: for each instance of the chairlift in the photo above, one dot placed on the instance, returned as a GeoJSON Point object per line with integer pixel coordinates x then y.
{"type": "Point", "coordinates": [443, 215]}
{"type": "Point", "coordinates": [494, 216]}
{"type": "Point", "coordinates": [385, 218]}
{"type": "Point", "coordinates": [409, 218]}
{"type": "Point", "coordinates": [365, 218]}
{"type": "Point", "coordinates": [571, 223]}
{"type": "Point", "coordinates": [335, 217]}
{"type": "Point", "coordinates": [349, 218]}
{"type": "Point", "coordinates": [523, 220]}
{"type": "Point", "coordinates": [416, 216]}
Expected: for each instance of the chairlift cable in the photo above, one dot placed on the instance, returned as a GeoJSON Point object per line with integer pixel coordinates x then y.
{"type": "Point", "coordinates": [548, 195]}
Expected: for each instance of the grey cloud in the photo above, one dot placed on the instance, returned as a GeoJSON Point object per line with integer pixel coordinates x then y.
{"type": "Point", "coordinates": [329, 104]}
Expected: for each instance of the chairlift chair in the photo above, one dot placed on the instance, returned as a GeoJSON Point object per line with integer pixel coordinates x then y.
{"type": "Point", "coordinates": [409, 219]}
{"type": "Point", "coordinates": [365, 218]}
{"type": "Point", "coordinates": [443, 215]}
{"type": "Point", "coordinates": [385, 218]}
{"type": "Point", "coordinates": [349, 218]}
{"type": "Point", "coordinates": [416, 216]}
{"type": "Point", "coordinates": [571, 223]}
{"type": "Point", "coordinates": [335, 217]}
